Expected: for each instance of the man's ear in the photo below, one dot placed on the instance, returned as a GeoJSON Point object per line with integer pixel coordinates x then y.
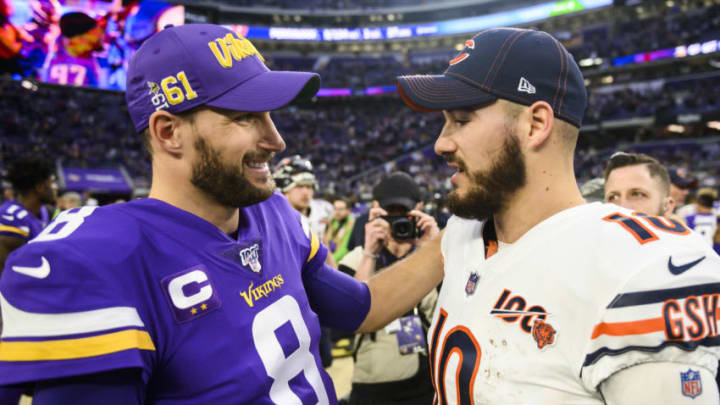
{"type": "Point", "coordinates": [541, 124]}
{"type": "Point", "coordinates": [164, 134]}
{"type": "Point", "coordinates": [668, 206]}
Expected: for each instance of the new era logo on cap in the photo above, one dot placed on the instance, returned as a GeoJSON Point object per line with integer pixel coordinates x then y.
{"type": "Point", "coordinates": [525, 86]}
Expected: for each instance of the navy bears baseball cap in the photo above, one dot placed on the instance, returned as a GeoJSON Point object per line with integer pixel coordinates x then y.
{"type": "Point", "coordinates": [183, 67]}
{"type": "Point", "coordinates": [519, 65]}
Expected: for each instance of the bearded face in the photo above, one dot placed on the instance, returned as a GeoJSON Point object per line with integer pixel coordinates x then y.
{"type": "Point", "coordinates": [489, 190]}
{"type": "Point", "coordinates": [227, 183]}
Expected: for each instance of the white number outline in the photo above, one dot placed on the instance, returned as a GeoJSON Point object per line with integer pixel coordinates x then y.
{"type": "Point", "coordinates": [68, 221]}
{"type": "Point", "coordinates": [278, 367]}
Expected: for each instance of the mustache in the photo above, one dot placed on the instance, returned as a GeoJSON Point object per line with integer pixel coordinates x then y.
{"type": "Point", "coordinates": [261, 155]}
{"type": "Point", "coordinates": [452, 158]}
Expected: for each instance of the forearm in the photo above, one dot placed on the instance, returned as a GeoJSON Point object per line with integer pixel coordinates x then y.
{"type": "Point", "coordinates": [395, 290]}
{"type": "Point", "coordinates": [366, 269]}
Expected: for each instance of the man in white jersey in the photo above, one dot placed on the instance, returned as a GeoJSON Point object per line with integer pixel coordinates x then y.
{"type": "Point", "coordinates": [547, 299]}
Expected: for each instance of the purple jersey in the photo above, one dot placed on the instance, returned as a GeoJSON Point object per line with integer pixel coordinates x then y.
{"type": "Point", "coordinates": [704, 223]}
{"type": "Point", "coordinates": [63, 68]}
{"type": "Point", "coordinates": [208, 319]}
{"type": "Point", "coordinates": [17, 221]}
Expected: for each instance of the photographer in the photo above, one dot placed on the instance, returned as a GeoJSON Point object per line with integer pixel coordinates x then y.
{"type": "Point", "coordinates": [391, 365]}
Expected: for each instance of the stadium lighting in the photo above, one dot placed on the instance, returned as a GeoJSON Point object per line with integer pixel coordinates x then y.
{"type": "Point", "coordinates": [27, 84]}
{"type": "Point", "coordinates": [607, 80]}
{"type": "Point", "coordinates": [714, 125]}
{"type": "Point", "coordinates": [590, 62]}
{"type": "Point", "coordinates": [678, 129]}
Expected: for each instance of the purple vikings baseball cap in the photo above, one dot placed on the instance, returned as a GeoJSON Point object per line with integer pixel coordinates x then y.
{"type": "Point", "coordinates": [183, 67]}
{"type": "Point", "coordinates": [519, 65]}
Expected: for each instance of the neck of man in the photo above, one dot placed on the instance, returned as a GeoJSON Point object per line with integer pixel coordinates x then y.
{"type": "Point", "coordinates": [398, 249]}
{"type": "Point", "coordinates": [31, 202]}
{"type": "Point", "coordinates": [548, 190]}
{"type": "Point", "coordinates": [704, 210]}
{"type": "Point", "coordinates": [183, 195]}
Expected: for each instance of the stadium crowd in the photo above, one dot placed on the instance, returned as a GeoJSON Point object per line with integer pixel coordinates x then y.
{"type": "Point", "coordinates": [343, 137]}
{"type": "Point", "coordinates": [667, 28]}
{"type": "Point", "coordinates": [617, 36]}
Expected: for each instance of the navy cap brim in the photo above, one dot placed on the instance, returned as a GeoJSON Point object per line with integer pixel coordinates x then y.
{"type": "Point", "coordinates": [269, 91]}
{"type": "Point", "coordinates": [429, 93]}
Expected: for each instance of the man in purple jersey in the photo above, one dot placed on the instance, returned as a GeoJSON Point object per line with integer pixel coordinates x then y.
{"type": "Point", "coordinates": [22, 218]}
{"type": "Point", "coordinates": [704, 220]}
{"type": "Point", "coordinates": [211, 291]}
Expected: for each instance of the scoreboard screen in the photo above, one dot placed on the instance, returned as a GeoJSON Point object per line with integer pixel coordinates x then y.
{"type": "Point", "coordinates": [79, 42]}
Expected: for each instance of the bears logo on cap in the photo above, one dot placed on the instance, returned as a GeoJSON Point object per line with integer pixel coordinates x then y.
{"type": "Point", "coordinates": [470, 43]}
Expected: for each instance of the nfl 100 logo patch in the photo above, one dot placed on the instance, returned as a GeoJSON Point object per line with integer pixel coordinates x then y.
{"type": "Point", "coordinates": [248, 255]}
{"type": "Point", "coordinates": [691, 383]}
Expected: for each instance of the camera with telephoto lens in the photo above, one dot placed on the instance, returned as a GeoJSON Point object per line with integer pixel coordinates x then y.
{"type": "Point", "coordinates": [402, 226]}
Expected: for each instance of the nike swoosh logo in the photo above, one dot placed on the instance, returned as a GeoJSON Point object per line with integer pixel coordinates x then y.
{"type": "Point", "coordinates": [682, 268]}
{"type": "Point", "coordinates": [41, 271]}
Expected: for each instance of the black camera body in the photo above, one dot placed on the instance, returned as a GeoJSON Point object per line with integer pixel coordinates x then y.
{"type": "Point", "coordinates": [402, 227]}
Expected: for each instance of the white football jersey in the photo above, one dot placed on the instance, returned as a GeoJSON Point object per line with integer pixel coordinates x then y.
{"type": "Point", "coordinates": [587, 292]}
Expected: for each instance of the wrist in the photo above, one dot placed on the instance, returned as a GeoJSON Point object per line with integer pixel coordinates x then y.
{"type": "Point", "coordinates": [370, 255]}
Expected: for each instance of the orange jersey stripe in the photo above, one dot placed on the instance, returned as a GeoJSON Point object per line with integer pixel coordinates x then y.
{"type": "Point", "coordinates": [629, 328]}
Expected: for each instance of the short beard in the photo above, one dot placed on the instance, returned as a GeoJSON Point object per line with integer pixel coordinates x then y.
{"type": "Point", "coordinates": [491, 190]}
{"type": "Point", "coordinates": [226, 184]}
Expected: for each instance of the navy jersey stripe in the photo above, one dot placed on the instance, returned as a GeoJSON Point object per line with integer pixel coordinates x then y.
{"type": "Point", "coordinates": [687, 346]}
{"type": "Point", "coordinates": [655, 296]}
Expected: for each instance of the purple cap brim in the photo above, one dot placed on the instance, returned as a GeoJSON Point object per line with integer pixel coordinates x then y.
{"type": "Point", "coordinates": [269, 91]}
{"type": "Point", "coordinates": [430, 93]}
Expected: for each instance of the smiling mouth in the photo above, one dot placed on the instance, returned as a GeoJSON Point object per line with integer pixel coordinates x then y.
{"type": "Point", "coordinates": [257, 164]}
{"type": "Point", "coordinates": [457, 166]}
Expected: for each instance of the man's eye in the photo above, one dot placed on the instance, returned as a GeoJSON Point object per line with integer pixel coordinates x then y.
{"type": "Point", "coordinates": [245, 117]}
